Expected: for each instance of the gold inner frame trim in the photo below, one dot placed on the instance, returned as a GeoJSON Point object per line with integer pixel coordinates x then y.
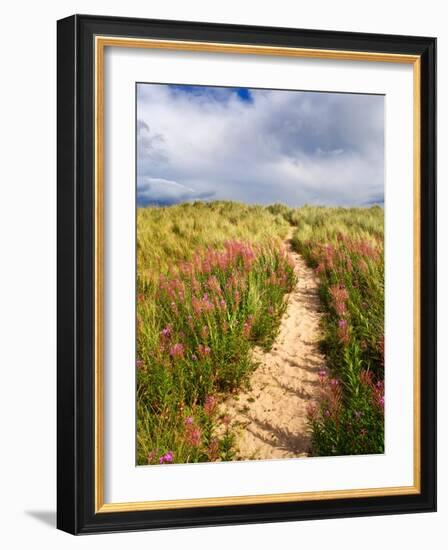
{"type": "Point", "coordinates": [101, 42]}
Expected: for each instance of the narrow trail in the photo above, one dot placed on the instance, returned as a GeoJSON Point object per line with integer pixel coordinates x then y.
{"type": "Point", "coordinates": [271, 417]}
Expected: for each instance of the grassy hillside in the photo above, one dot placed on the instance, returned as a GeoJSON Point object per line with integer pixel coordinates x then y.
{"type": "Point", "coordinates": [172, 234]}
{"type": "Point", "coordinates": [345, 246]}
{"type": "Point", "coordinates": [211, 283]}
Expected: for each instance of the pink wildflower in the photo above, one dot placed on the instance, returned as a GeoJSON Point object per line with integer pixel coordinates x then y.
{"type": "Point", "coordinates": [167, 458]}
{"type": "Point", "coordinates": [177, 351]}
{"type": "Point", "coordinates": [193, 435]}
{"type": "Point", "coordinates": [203, 351]}
{"type": "Point", "coordinates": [207, 305]}
{"type": "Point", "coordinates": [339, 295]}
{"type": "Point", "coordinates": [343, 331]}
{"type": "Point", "coordinates": [197, 305]}
{"type": "Point", "coordinates": [167, 331]}
{"type": "Point", "coordinates": [322, 375]}
{"type": "Point", "coordinates": [246, 329]}
{"type": "Point", "coordinates": [210, 404]}
{"type": "Point", "coordinates": [213, 284]}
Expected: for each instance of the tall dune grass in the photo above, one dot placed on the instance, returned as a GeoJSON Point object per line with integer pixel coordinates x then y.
{"type": "Point", "coordinates": [172, 234]}
{"type": "Point", "coordinates": [345, 247]}
{"type": "Point", "coordinates": [212, 280]}
{"type": "Point", "coordinates": [211, 285]}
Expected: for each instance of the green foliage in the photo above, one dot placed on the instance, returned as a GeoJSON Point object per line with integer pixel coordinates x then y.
{"type": "Point", "coordinates": [204, 300]}
{"type": "Point", "coordinates": [345, 246]}
{"type": "Point", "coordinates": [212, 279]}
{"type": "Point", "coordinates": [172, 234]}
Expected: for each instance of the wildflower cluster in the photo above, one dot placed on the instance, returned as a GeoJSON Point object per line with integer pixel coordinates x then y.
{"type": "Point", "coordinates": [196, 326]}
{"type": "Point", "coordinates": [350, 265]}
{"type": "Point", "coordinates": [351, 273]}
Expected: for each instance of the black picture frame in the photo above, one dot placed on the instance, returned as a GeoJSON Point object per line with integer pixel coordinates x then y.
{"type": "Point", "coordinates": [76, 272]}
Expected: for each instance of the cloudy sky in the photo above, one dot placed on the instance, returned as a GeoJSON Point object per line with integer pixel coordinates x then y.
{"type": "Point", "coordinates": [258, 146]}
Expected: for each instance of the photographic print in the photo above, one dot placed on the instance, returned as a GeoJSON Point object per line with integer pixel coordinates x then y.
{"type": "Point", "coordinates": [260, 274]}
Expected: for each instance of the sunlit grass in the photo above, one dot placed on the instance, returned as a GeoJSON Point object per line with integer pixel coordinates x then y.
{"type": "Point", "coordinates": [345, 246]}
{"type": "Point", "coordinates": [211, 285]}
{"type": "Point", "coordinates": [212, 280]}
{"type": "Point", "coordinates": [168, 235]}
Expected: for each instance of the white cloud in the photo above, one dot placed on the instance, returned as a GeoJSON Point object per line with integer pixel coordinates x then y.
{"type": "Point", "coordinates": [163, 191]}
{"type": "Point", "coordinates": [291, 147]}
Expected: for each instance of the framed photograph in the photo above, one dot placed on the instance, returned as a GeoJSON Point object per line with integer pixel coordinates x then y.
{"type": "Point", "coordinates": [246, 274]}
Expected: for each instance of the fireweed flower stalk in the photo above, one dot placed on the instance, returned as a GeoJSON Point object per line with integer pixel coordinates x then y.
{"type": "Point", "coordinates": [210, 405]}
{"type": "Point", "coordinates": [198, 325]}
{"type": "Point", "coordinates": [193, 435]}
{"type": "Point", "coordinates": [167, 458]}
{"type": "Point", "coordinates": [337, 422]}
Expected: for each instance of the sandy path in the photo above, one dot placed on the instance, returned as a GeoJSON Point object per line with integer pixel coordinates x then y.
{"type": "Point", "coordinates": [271, 417]}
